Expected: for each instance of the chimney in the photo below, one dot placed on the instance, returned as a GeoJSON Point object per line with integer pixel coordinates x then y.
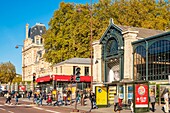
{"type": "Point", "coordinates": [27, 25]}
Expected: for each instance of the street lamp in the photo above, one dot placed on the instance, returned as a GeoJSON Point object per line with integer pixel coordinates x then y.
{"type": "Point", "coordinates": [17, 46]}
{"type": "Point", "coordinates": [91, 49]}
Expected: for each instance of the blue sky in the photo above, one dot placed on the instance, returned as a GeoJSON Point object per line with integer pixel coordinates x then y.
{"type": "Point", "coordinates": [14, 16]}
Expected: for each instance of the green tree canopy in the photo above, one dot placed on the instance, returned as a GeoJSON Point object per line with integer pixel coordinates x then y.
{"type": "Point", "coordinates": [7, 72]}
{"type": "Point", "coordinates": [69, 34]}
{"type": "Point", "coordinates": [17, 79]}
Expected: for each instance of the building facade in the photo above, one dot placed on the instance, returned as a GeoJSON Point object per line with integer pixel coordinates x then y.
{"type": "Point", "coordinates": [120, 58]}
{"type": "Point", "coordinates": [32, 51]}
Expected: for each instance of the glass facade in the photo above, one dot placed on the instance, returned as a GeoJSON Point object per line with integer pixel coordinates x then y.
{"type": "Point", "coordinates": [158, 61]}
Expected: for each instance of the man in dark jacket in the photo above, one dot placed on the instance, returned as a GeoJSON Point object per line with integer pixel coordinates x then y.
{"type": "Point", "coordinates": [93, 101]}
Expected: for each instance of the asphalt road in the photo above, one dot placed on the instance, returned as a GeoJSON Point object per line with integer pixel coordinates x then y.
{"type": "Point", "coordinates": [28, 107]}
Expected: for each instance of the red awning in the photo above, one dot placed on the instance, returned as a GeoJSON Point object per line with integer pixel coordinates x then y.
{"type": "Point", "coordinates": [67, 78]}
{"type": "Point", "coordinates": [44, 79]}
{"type": "Point", "coordinates": [63, 78]}
{"type": "Point", "coordinates": [85, 78]}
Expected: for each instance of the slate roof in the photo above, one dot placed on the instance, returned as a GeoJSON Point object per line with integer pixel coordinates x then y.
{"type": "Point", "coordinates": [75, 61]}
{"type": "Point", "coordinates": [143, 32]}
{"type": "Point", "coordinates": [38, 29]}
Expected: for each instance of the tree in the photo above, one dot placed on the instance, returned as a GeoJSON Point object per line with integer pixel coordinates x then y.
{"type": "Point", "coordinates": [7, 72]}
{"type": "Point", "coordinates": [68, 35]}
{"type": "Point", "coordinates": [17, 79]}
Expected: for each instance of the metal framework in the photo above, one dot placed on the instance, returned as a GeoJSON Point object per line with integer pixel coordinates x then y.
{"type": "Point", "coordinates": [152, 61]}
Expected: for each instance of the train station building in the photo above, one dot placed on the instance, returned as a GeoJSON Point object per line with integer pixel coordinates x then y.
{"type": "Point", "coordinates": [126, 54]}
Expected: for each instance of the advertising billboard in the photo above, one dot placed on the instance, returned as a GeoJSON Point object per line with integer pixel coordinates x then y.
{"type": "Point", "coordinates": [141, 95]}
{"type": "Point", "coordinates": [22, 88]}
{"type": "Point", "coordinates": [101, 95]}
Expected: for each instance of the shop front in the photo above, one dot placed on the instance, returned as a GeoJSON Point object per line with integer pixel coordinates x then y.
{"type": "Point", "coordinates": [44, 83]}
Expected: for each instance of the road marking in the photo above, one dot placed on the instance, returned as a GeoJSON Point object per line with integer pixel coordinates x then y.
{"type": "Point", "coordinates": [2, 109]}
{"type": "Point", "coordinates": [46, 110]}
{"type": "Point", "coordinates": [1, 105]}
{"type": "Point", "coordinates": [38, 108]}
{"type": "Point", "coordinates": [10, 112]}
{"type": "Point", "coordinates": [52, 111]}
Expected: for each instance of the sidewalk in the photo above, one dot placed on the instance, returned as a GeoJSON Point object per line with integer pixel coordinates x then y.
{"type": "Point", "coordinates": [99, 110]}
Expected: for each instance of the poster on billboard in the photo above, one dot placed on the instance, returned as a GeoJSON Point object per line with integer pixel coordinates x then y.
{"type": "Point", "coordinates": [130, 92]}
{"type": "Point", "coordinates": [121, 92]}
{"type": "Point", "coordinates": [152, 88]}
{"type": "Point", "coordinates": [101, 95]}
{"type": "Point", "coordinates": [22, 88]}
{"type": "Point", "coordinates": [141, 95]}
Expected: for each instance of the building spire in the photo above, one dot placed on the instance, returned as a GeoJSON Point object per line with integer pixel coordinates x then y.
{"type": "Point", "coordinates": [111, 21]}
{"type": "Point", "coordinates": [27, 25]}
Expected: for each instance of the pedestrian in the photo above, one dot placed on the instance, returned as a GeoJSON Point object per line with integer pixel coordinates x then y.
{"type": "Point", "coordinates": [28, 95]}
{"type": "Point", "coordinates": [56, 102]}
{"type": "Point", "coordinates": [93, 101]}
{"type": "Point", "coordinates": [65, 97]}
{"type": "Point", "coordinates": [59, 99]}
{"type": "Point", "coordinates": [49, 98]}
{"type": "Point", "coordinates": [78, 96]}
{"type": "Point", "coordinates": [40, 99]}
{"type": "Point", "coordinates": [120, 104]}
{"type": "Point", "coordinates": [8, 97]}
{"type": "Point", "coordinates": [35, 98]}
{"type": "Point", "coordinates": [166, 99]}
{"type": "Point", "coordinates": [16, 98]}
{"type": "Point", "coordinates": [131, 107]}
{"type": "Point", "coordinates": [69, 97]}
{"type": "Point", "coordinates": [152, 100]}
{"type": "Point", "coordinates": [116, 102]}
{"type": "Point", "coordinates": [82, 98]}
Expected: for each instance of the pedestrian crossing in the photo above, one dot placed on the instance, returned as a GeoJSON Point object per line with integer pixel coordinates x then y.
{"type": "Point", "coordinates": [15, 105]}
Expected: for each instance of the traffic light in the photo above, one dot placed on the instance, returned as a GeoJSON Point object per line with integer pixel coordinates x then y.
{"type": "Point", "coordinates": [34, 77]}
{"type": "Point", "coordinates": [72, 78]}
{"type": "Point", "coordinates": [77, 73]}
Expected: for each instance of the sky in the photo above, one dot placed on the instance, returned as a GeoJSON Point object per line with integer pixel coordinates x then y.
{"type": "Point", "coordinates": [15, 14]}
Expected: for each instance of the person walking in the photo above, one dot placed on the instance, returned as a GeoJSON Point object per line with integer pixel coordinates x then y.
{"type": "Point", "coordinates": [16, 98]}
{"type": "Point", "coordinates": [65, 97]}
{"type": "Point", "coordinates": [116, 102]}
{"type": "Point", "coordinates": [131, 107]}
{"type": "Point", "coordinates": [40, 99]}
{"type": "Point", "coordinates": [8, 98]}
{"type": "Point", "coordinates": [93, 101]}
{"type": "Point", "coordinates": [152, 100]}
{"type": "Point", "coordinates": [166, 99]}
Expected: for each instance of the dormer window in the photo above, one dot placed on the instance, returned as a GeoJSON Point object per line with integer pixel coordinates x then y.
{"type": "Point", "coordinates": [37, 41]}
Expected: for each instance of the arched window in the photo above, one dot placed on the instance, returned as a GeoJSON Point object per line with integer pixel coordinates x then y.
{"type": "Point", "coordinates": [159, 60]}
{"type": "Point", "coordinates": [112, 47]}
{"type": "Point", "coordinates": [140, 63]}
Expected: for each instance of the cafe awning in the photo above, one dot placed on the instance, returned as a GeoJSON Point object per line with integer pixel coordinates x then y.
{"type": "Point", "coordinates": [63, 78]}
{"type": "Point", "coordinates": [43, 79]}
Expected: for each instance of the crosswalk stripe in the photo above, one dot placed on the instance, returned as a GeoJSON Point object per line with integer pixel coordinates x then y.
{"type": "Point", "coordinates": [52, 111]}
{"type": "Point", "coordinates": [1, 105]}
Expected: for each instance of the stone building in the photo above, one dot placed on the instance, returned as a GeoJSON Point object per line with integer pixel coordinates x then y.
{"type": "Point", "coordinates": [32, 51]}
{"type": "Point", "coordinates": [114, 58]}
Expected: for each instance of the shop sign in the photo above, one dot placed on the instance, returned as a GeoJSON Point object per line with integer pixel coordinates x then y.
{"type": "Point", "coordinates": [141, 95]}
{"type": "Point", "coordinates": [101, 95]}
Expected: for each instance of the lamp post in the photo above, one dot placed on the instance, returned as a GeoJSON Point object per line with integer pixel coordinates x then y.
{"type": "Point", "coordinates": [91, 49]}
{"type": "Point", "coordinates": [17, 46]}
